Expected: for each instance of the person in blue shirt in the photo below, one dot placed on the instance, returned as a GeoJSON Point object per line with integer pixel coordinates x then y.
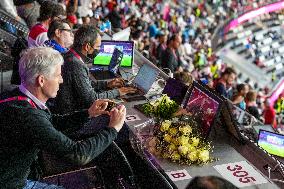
{"type": "Point", "coordinates": [60, 36]}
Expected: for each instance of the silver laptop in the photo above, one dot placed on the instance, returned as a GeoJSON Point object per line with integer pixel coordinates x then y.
{"type": "Point", "coordinates": [143, 82]}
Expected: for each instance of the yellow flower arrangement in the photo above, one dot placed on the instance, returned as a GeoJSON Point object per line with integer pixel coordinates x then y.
{"type": "Point", "coordinates": [180, 141]}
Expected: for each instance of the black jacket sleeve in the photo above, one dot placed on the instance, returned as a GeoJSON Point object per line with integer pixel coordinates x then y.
{"type": "Point", "coordinates": [84, 88]}
{"type": "Point", "coordinates": [70, 122]}
{"type": "Point", "coordinates": [46, 137]}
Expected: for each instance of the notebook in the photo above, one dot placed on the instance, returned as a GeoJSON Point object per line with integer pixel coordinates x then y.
{"type": "Point", "coordinates": [176, 90]}
{"type": "Point", "coordinates": [143, 82]}
{"type": "Point", "coordinates": [112, 71]}
{"type": "Point", "coordinates": [271, 142]}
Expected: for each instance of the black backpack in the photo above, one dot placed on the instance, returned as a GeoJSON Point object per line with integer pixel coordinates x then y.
{"type": "Point", "coordinates": [20, 44]}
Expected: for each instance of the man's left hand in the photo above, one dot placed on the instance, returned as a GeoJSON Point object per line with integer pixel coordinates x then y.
{"type": "Point", "coordinates": [116, 83]}
{"type": "Point", "coordinates": [99, 107]}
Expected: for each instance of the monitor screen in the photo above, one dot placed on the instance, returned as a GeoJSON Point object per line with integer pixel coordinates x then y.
{"type": "Point", "coordinates": [145, 77]}
{"type": "Point", "coordinates": [107, 48]}
{"type": "Point", "coordinates": [271, 142]}
{"type": "Point", "coordinates": [203, 105]}
{"type": "Point", "coordinates": [176, 90]}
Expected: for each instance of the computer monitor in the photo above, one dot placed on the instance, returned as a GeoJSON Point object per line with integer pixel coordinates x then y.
{"type": "Point", "coordinates": [271, 142]}
{"type": "Point", "coordinates": [107, 48]}
{"type": "Point", "coordinates": [145, 77]}
{"type": "Point", "coordinates": [204, 105]}
{"type": "Point", "coordinates": [176, 90]}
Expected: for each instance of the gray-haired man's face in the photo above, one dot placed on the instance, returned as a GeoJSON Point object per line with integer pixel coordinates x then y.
{"type": "Point", "coordinates": [51, 84]}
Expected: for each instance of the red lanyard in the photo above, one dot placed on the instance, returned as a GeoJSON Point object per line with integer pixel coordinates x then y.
{"type": "Point", "coordinates": [19, 98]}
{"type": "Point", "coordinates": [76, 54]}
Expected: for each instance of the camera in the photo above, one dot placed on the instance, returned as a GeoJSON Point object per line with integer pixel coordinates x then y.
{"type": "Point", "coordinates": [110, 106]}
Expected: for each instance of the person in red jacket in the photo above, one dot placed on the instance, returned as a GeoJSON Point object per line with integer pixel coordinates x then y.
{"type": "Point", "coordinates": [49, 11]}
{"type": "Point", "coordinates": [269, 114]}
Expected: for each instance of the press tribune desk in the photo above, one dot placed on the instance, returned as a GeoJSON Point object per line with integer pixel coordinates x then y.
{"type": "Point", "coordinates": [226, 148]}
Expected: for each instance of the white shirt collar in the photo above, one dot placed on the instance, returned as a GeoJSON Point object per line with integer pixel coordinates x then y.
{"type": "Point", "coordinates": [40, 104]}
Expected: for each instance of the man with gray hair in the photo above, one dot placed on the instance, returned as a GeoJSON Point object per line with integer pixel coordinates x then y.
{"type": "Point", "coordinates": [27, 126]}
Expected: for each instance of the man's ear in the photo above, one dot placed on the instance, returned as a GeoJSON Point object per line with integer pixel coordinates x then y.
{"type": "Point", "coordinates": [86, 47]}
{"type": "Point", "coordinates": [57, 33]}
{"type": "Point", "coordinates": [40, 80]}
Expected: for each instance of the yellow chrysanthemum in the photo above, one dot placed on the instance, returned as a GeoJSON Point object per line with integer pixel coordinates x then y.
{"type": "Point", "coordinates": [173, 131]}
{"type": "Point", "coordinates": [195, 141]}
{"type": "Point", "coordinates": [175, 141]}
{"type": "Point", "coordinates": [183, 150]}
{"type": "Point", "coordinates": [165, 125]}
{"type": "Point", "coordinates": [167, 138]}
{"type": "Point", "coordinates": [192, 156]}
{"type": "Point", "coordinates": [204, 155]}
{"type": "Point", "coordinates": [175, 156]}
{"type": "Point", "coordinates": [172, 147]}
{"type": "Point", "coordinates": [183, 140]}
{"type": "Point", "coordinates": [185, 130]}
{"type": "Point", "coordinates": [190, 148]}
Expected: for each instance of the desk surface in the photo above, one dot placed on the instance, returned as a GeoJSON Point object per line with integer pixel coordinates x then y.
{"type": "Point", "coordinates": [222, 150]}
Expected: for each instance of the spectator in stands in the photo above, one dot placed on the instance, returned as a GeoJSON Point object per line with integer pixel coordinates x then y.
{"type": "Point", "coordinates": [225, 82]}
{"type": "Point", "coordinates": [78, 91]}
{"type": "Point", "coordinates": [210, 182]}
{"type": "Point", "coordinates": [251, 104]}
{"type": "Point", "coordinates": [170, 58]}
{"type": "Point", "coordinates": [28, 10]}
{"type": "Point", "coordinates": [115, 18]}
{"type": "Point", "coordinates": [239, 98]}
{"type": "Point", "coordinates": [26, 119]}
{"type": "Point", "coordinates": [60, 36]}
{"type": "Point", "coordinates": [184, 77]}
{"type": "Point", "coordinates": [269, 113]}
{"type": "Point", "coordinates": [162, 45]}
{"type": "Point", "coordinates": [71, 15]}
{"type": "Point", "coordinates": [49, 11]}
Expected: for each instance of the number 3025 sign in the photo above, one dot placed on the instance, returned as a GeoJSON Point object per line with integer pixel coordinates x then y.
{"type": "Point", "coordinates": [241, 174]}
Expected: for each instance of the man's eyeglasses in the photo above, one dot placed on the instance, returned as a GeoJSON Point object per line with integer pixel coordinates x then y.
{"type": "Point", "coordinates": [68, 30]}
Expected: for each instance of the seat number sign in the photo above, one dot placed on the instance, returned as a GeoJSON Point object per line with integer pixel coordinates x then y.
{"type": "Point", "coordinates": [241, 174]}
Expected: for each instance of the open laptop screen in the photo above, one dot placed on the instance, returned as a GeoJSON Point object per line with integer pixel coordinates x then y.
{"type": "Point", "coordinates": [271, 142]}
{"type": "Point", "coordinates": [176, 90]}
{"type": "Point", "coordinates": [145, 77]}
{"type": "Point", "coordinates": [107, 48]}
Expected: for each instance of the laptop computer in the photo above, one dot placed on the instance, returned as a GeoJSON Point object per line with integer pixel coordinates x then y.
{"type": "Point", "coordinates": [143, 82]}
{"type": "Point", "coordinates": [176, 90]}
{"type": "Point", "coordinates": [112, 71]}
{"type": "Point", "coordinates": [106, 50]}
{"type": "Point", "coordinates": [271, 142]}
